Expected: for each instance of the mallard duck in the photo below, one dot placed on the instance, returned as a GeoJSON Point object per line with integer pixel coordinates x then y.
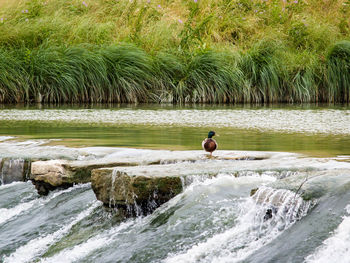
{"type": "Point", "coordinates": [209, 144]}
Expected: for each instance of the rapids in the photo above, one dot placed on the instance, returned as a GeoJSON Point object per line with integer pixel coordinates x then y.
{"type": "Point", "coordinates": [213, 220]}
{"type": "Point", "coordinates": [300, 211]}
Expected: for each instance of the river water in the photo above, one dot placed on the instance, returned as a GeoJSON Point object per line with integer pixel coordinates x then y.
{"type": "Point", "coordinates": [214, 219]}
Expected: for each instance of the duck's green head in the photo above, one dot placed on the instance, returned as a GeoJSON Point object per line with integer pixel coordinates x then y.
{"type": "Point", "coordinates": [211, 134]}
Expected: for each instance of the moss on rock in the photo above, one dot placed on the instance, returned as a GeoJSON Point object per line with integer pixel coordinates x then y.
{"type": "Point", "coordinates": [135, 193]}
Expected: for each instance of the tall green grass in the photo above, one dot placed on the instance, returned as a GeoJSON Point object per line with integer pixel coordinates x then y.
{"type": "Point", "coordinates": [302, 77]}
{"type": "Point", "coordinates": [262, 73]}
{"type": "Point", "coordinates": [129, 73]}
{"type": "Point", "coordinates": [205, 51]}
{"type": "Point", "coordinates": [14, 86]}
{"type": "Point", "coordinates": [267, 72]}
{"type": "Point", "coordinates": [338, 72]}
{"type": "Point", "coordinates": [210, 77]}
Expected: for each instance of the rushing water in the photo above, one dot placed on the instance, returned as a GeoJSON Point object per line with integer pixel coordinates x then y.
{"type": "Point", "coordinates": [214, 219]}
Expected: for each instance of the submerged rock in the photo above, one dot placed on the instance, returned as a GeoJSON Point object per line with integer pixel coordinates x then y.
{"type": "Point", "coordinates": [311, 185]}
{"type": "Point", "coordinates": [136, 194]}
{"type": "Point", "coordinates": [281, 202]}
{"type": "Point", "coordinates": [13, 170]}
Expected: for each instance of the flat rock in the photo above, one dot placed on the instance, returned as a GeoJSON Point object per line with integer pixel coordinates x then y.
{"type": "Point", "coordinates": [135, 194]}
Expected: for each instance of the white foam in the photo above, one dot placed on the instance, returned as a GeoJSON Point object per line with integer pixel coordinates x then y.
{"type": "Point", "coordinates": [7, 214]}
{"type": "Point", "coordinates": [250, 232]}
{"type": "Point", "coordinates": [37, 246]}
{"type": "Point", "coordinates": [5, 138]}
{"type": "Point", "coordinates": [37, 149]}
{"type": "Point", "coordinates": [337, 247]}
{"type": "Point", "coordinates": [101, 240]}
{"type": "Point", "coordinates": [92, 244]}
{"type": "Point", "coordinates": [5, 186]}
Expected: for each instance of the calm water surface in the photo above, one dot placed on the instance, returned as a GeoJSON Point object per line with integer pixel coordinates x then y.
{"type": "Point", "coordinates": [309, 129]}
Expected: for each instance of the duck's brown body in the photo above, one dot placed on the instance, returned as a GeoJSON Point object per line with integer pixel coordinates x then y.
{"type": "Point", "coordinates": [209, 145]}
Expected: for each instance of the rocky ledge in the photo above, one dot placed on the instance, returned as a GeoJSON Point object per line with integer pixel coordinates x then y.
{"type": "Point", "coordinates": [134, 193]}
{"type": "Point", "coordinates": [53, 174]}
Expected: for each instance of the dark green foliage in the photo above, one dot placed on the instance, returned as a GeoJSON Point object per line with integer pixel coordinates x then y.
{"type": "Point", "coordinates": [126, 73]}
{"type": "Point", "coordinates": [130, 73]}
{"type": "Point", "coordinates": [261, 71]}
{"type": "Point", "coordinates": [210, 77]}
{"type": "Point", "coordinates": [303, 85]}
{"type": "Point", "coordinates": [338, 66]}
{"type": "Point", "coordinates": [13, 81]}
{"type": "Point", "coordinates": [168, 72]}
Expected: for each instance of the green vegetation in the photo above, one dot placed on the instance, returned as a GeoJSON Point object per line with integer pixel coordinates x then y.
{"type": "Point", "coordinates": [175, 51]}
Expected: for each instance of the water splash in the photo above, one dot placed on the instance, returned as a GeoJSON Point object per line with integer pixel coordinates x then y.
{"type": "Point", "coordinates": [5, 186]}
{"type": "Point", "coordinates": [12, 170]}
{"type": "Point", "coordinates": [7, 214]}
{"type": "Point", "coordinates": [82, 250]}
{"type": "Point", "coordinates": [37, 246]}
{"type": "Point", "coordinates": [252, 230]}
{"type": "Point", "coordinates": [336, 248]}
{"type": "Point", "coordinates": [111, 193]}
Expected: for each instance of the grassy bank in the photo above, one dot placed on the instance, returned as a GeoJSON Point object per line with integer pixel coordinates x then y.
{"type": "Point", "coordinates": [172, 50]}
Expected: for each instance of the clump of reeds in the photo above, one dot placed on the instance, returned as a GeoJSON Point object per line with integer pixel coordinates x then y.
{"type": "Point", "coordinates": [262, 73]}
{"type": "Point", "coordinates": [302, 77]}
{"type": "Point", "coordinates": [338, 72]}
{"type": "Point", "coordinates": [13, 81]}
{"type": "Point", "coordinates": [120, 73]}
{"type": "Point", "coordinates": [129, 73]}
{"type": "Point", "coordinates": [267, 72]}
{"type": "Point", "coordinates": [210, 77]}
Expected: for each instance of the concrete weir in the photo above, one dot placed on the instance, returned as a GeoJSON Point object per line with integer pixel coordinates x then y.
{"type": "Point", "coordinates": [141, 189]}
{"type": "Point", "coordinates": [140, 181]}
{"type": "Point", "coordinates": [49, 175]}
